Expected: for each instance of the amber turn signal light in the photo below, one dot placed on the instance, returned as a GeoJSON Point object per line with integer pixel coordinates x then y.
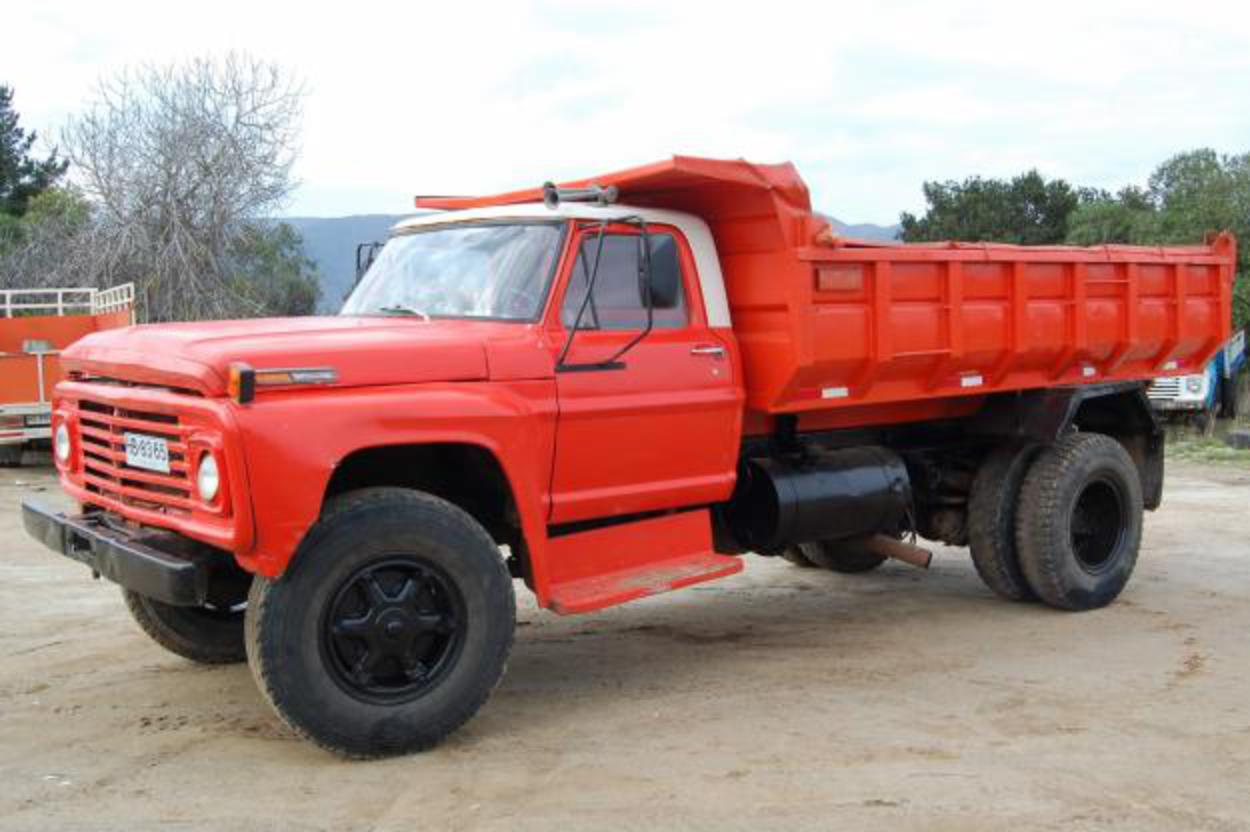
{"type": "Point", "coordinates": [242, 383]}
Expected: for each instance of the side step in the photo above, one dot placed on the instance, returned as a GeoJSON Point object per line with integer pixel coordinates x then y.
{"type": "Point", "coordinates": [612, 565]}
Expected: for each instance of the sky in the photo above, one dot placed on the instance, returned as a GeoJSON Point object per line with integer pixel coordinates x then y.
{"type": "Point", "coordinates": [869, 100]}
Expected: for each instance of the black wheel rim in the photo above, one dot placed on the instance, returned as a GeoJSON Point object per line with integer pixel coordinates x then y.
{"type": "Point", "coordinates": [393, 629]}
{"type": "Point", "coordinates": [1097, 527]}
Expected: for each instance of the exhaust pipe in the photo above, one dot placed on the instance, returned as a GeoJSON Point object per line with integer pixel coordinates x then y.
{"type": "Point", "coordinates": [891, 547]}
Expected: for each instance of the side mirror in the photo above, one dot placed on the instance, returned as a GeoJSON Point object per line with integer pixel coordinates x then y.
{"type": "Point", "coordinates": [664, 291]}
{"type": "Point", "coordinates": [366, 253]}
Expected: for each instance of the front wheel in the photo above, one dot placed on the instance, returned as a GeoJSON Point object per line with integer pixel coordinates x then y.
{"type": "Point", "coordinates": [391, 628]}
{"type": "Point", "coordinates": [1228, 398]}
{"type": "Point", "coordinates": [1204, 423]}
{"type": "Point", "coordinates": [1079, 522]}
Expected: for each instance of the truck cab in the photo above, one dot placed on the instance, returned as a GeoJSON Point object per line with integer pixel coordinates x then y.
{"type": "Point", "coordinates": [1203, 396]}
{"type": "Point", "coordinates": [605, 390]}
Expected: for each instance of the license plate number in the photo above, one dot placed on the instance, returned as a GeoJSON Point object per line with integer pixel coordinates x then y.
{"type": "Point", "coordinates": [38, 420]}
{"type": "Point", "coordinates": [148, 452]}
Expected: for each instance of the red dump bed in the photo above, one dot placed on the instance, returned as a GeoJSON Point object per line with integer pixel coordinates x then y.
{"type": "Point", "coordinates": [830, 324]}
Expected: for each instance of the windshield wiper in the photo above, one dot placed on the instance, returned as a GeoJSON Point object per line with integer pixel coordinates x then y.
{"type": "Point", "coordinates": [404, 310]}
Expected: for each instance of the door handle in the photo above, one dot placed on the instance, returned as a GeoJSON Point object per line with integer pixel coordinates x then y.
{"type": "Point", "coordinates": [708, 349]}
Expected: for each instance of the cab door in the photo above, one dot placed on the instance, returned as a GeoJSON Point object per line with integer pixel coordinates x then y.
{"type": "Point", "coordinates": [658, 428]}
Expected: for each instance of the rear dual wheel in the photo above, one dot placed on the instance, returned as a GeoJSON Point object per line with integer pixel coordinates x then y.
{"type": "Point", "coordinates": [992, 506]}
{"type": "Point", "coordinates": [1060, 523]}
{"type": "Point", "coordinates": [1079, 522]}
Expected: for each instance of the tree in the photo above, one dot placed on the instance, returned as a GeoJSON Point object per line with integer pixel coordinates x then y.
{"type": "Point", "coordinates": [1188, 196]}
{"type": "Point", "coordinates": [1129, 215]}
{"type": "Point", "coordinates": [21, 176]}
{"type": "Point", "coordinates": [182, 165]}
{"type": "Point", "coordinates": [272, 272]}
{"type": "Point", "coordinates": [1027, 209]}
{"type": "Point", "coordinates": [50, 245]}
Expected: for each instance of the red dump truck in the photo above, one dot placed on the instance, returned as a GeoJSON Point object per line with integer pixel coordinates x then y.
{"type": "Point", "coordinates": [609, 389]}
{"type": "Point", "coordinates": [35, 325]}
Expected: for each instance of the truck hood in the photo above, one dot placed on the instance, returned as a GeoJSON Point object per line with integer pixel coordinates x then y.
{"type": "Point", "coordinates": [362, 350]}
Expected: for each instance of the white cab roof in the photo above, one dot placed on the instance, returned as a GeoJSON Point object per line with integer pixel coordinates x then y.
{"type": "Point", "coordinates": [692, 228]}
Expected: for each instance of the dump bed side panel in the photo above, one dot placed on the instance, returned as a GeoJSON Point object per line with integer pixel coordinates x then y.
{"type": "Point", "coordinates": [891, 324]}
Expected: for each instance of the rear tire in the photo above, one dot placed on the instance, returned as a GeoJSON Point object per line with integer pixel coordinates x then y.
{"type": "Point", "coordinates": [1078, 527]}
{"type": "Point", "coordinates": [209, 635]}
{"type": "Point", "coordinates": [992, 506]}
{"type": "Point", "coordinates": [390, 629]}
{"type": "Point", "coordinates": [846, 556]}
{"type": "Point", "coordinates": [795, 556]}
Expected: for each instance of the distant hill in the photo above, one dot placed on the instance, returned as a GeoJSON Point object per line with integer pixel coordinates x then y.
{"type": "Point", "coordinates": [331, 242]}
{"type": "Point", "coordinates": [863, 230]}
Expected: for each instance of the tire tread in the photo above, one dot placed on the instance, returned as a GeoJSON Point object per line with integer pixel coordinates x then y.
{"type": "Point", "coordinates": [1043, 501]}
{"type": "Point", "coordinates": [261, 651]}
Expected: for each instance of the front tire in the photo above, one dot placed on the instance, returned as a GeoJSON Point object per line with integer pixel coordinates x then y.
{"type": "Point", "coordinates": [1079, 523]}
{"type": "Point", "coordinates": [391, 628]}
{"type": "Point", "coordinates": [1228, 398]}
{"type": "Point", "coordinates": [212, 634]}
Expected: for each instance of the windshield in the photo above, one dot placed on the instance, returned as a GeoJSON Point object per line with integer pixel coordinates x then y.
{"type": "Point", "coordinates": [496, 271]}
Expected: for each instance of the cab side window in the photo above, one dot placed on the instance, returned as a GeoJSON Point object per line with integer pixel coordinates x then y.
{"type": "Point", "coordinates": [617, 300]}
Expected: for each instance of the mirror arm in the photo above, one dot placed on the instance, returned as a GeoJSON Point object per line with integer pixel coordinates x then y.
{"type": "Point", "coordinates": [590, 291]}
{"type": "Point", "coordinates": [644, 266]}
{"type": "Point", "coordinates": [613, 362]}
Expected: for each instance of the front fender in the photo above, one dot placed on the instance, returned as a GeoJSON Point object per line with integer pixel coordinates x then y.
{"type": "Point", "coordinates": [293, 442]}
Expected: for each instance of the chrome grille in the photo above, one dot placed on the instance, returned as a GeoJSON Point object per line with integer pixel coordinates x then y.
{"type": "Point", "coordinates": [102, 428]}
{"type": "Point", "coordinates": [1164, 388]}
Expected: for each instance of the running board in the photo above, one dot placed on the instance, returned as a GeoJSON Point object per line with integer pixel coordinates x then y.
{"type": "Point", "coordinates": [612, 565]}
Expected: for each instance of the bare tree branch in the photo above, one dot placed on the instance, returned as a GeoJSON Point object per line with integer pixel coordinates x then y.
{"type": "Point", "coordinates": [179, 163]}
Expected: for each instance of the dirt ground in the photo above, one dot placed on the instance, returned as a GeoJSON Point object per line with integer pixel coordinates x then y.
{"type": "Point", "coordinates": [778, 699]}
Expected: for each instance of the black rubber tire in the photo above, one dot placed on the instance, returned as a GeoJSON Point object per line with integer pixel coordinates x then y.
{"type": "Point", "coordinates": [1228, 398]}
{"type": "Point", "coordinates": [846, 556]}
{"type": "Point", "coordinates": [992, 504]}
{"type": "Point", "coordinates": [10, 456]}
{"type": "Point", "coordinates": [201, 634]}
{"type": "Point", "coordinates": [285, 621]}
{"type": "Point", "coordinates": [1087, 480]}
{"type": "Point", "coordinates": [1204, 422]}
{"type": "Point", "coordinates": [795, 556]}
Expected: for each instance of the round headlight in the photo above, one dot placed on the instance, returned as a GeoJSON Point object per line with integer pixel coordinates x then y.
{"type": "Point", "coordinates": [61, 444]}
{"type": "Point", "coordinates": [1193, 384]}
{"type": "Point", "coordinates": [208, 479]}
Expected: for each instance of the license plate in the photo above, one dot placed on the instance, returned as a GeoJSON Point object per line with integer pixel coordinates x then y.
{"type": "Point", "coordinates": [38, 420]}
{"type": "Point", "coordinates": [149, 452]}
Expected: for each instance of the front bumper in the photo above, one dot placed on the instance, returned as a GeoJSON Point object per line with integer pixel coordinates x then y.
{"type": "Point", "coordinates": [129, 558]}
{"type": "Point", "coordinates": [1179, 405]}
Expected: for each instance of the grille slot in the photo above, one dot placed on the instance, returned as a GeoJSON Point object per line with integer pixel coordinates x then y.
{"type": "Point", "coordinates": [1164, 388]}
{"type": "Point", "coordinates": [102, 429]}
